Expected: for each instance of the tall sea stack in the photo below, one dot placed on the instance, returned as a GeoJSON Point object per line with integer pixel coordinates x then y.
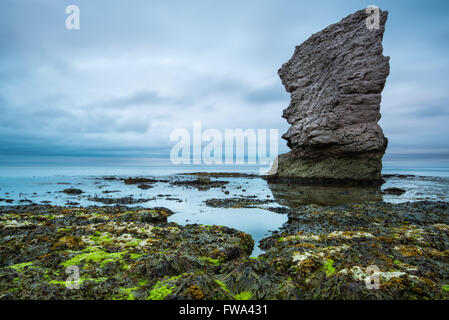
{"type": "Point", "coordinates": [335, 79]}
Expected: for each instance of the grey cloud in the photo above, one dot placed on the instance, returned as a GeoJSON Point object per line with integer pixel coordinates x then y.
{"type": "Point", "coordinates": [139, 98]}
{"type": "Point", "coordinates": [268, 94]}
{"type": "Point", "coordinates": [430, 111]}
{"type": "Point", "coordinates": [168, 63]}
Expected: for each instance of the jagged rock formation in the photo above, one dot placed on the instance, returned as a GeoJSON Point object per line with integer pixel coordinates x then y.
{"type": "Point", "coordinates": [335, 79]}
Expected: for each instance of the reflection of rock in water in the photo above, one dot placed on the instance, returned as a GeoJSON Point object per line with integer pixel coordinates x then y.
{"type": "Point", "coordinates": [294, 195]}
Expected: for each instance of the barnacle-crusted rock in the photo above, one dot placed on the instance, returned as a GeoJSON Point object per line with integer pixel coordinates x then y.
{"type": "Point", "coordinates": [335, 79]}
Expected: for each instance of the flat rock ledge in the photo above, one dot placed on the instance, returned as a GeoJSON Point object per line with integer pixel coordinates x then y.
{"type": "Point", "coordinates": [335, 79]}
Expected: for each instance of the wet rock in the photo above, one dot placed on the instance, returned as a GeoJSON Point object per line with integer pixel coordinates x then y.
{"type": "Point", "coordinates": [335, 79]}
{"type": "Point", "coordinates": [174, 199]}
{"type": "Point", "coordinates": [201, 183]}
{"type": "Point", "coordinates": [110, 178]}
{"type": "Point", "coordinates": [144, 186]}
{"type": "Point", "coordinates": [120, 201]}
{"type": "Point", "coordinates": [237, 202]}
{"type": "Point", "coordinates": [72, 191]}
{"type": "Point", "coordinates": [400, 176]}
{"type": "Point", "coordinates": [222, 174]}
{"type": "Point", "coordinates": [138, 180]}
{"type": "Point", "coordinates": [110, 191]}
{"type": "Point", "coordinates": [155, 215]}
{"type": "Point", "coordinates": [71, 203]}
{"type": "Point", "coordinates": [281, 210]}
{"type": "Point", "coordinates": [394, 190]}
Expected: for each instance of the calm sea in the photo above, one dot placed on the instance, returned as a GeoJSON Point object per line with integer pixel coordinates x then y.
{"type": "Point", "coordinates": [43, 181]}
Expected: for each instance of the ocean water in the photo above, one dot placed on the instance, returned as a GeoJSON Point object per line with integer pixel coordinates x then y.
{"type": "Point", "coordinates": [44, 182]}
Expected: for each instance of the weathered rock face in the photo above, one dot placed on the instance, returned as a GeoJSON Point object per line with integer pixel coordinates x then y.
{"type": "Point", "coordinates": [335, 79]}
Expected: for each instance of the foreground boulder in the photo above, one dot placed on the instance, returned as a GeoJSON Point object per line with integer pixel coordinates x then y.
{"type": "Point", "coordinates": [335, 79]}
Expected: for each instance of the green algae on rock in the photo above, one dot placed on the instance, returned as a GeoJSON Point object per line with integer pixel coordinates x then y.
{"type": "Point", "coordinates": [322, 252]}
{"type": "Point", "coordinates": [119, 254]}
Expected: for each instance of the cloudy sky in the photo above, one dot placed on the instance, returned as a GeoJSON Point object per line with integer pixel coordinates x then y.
{"type": "Point", "coordinates": [138, 69]}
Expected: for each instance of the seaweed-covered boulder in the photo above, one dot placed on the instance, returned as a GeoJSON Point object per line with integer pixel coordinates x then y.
{"type": "Point", "coordinates": [116, 252]}
{"type": "Point", "coordinates": [155, 215]}
{"type": "Point", "coordinates": [72, 191]}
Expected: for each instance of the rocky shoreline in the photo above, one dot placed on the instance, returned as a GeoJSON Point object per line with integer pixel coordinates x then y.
{"type": "Point", "coordinates": [322, 252]}
{"type": "Point", "coordinates": [121, 253]}
{"type": "Point", "coordinates": [328, 250]}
